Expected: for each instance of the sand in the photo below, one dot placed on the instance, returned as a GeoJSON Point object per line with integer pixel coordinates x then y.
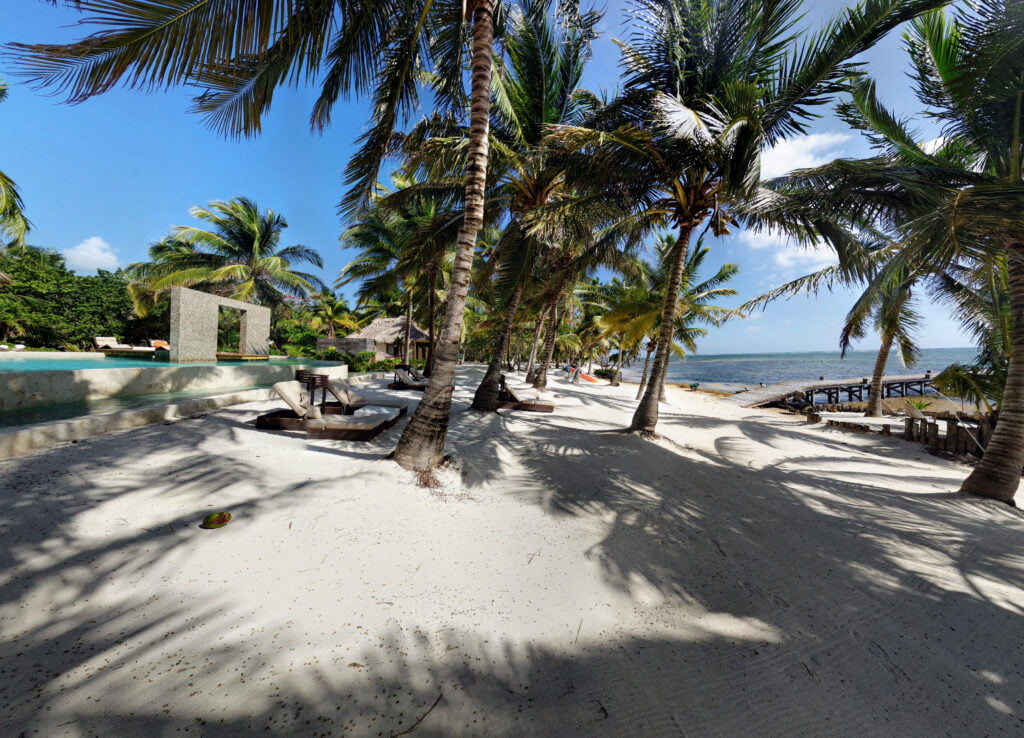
{"type": "Point", "coordinates": [746, 575]}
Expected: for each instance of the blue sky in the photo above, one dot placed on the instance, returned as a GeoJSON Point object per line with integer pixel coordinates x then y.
{"type": "Point", "coordinates": [104, 179]}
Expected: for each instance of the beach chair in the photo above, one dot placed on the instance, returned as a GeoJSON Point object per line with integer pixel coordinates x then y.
{"type": "Point", "coordinates": [105, 343]}
{"type": "Point", "coordinates": [404, 380]}
{"type": "Point", "coordinates": [159, 345]}
{"type": "Point", "coordinates": [349, 400]}
{"type": "Point", "coordinates": [510, 399]}
{"type": "Point", "coordinates": [331, 421]}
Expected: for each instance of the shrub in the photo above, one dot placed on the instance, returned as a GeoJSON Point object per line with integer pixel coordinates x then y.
{"type": "Point", "coordinates": [387, 365]}
{"type": "Point", "coordinates": [605, 373]}
{"type": "Point", "coordinates": [329, 354]}
{"type": "Point", "coordinates": [418, 363]}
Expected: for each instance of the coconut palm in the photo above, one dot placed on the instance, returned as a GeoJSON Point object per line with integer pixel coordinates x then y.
{"type": "Point", "coordinates": [636, 312]}
{"type": "Point", "coordinates": [709, 84]}
{"type": "Point", "coordinates": [239, 256]}
{"type": "Point", "coordinates": [536, 85]}
{"type": "Point", "coordinates": [404, 239]}
{"type": "Point", "coordinates": [13, 224]}
{"type": "Point", "coordinates": [980, 298]}
{"type": "Point", "coordinates": [331, 314]}
{"type": "Point", "coordinates": [239, 54]}
{"type": "Point", "coordinates": [965, 197]}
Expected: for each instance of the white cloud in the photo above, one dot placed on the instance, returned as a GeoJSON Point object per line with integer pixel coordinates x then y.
{"type": "Point", "coordinates": [930, 147]}
{"type": "Point", "coordinates": [801, 152]}
{"type": "Point", "coordinates": [787, 254]}
{"type": "Point", "coordinates": [92, 254]}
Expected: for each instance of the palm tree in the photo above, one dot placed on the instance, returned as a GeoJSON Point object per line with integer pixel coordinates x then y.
{"type": "Point", "coordinates": [964, 200]}
{"type": "Point", "coordinates": [240, 57]}
{"type": "Point", "coordinates": [980, 297]}
{"type": "Point", "coordinates": [536, 85]}
{"type": "Point", "coordinates": [381, 236]}
{"type": "Point", "coordinates": [636, 312]}
{"type": "Point", "coordinates": [404, 239]}
{"type": "Point", "coordinates": [239, 256]}
{"type": "Point", "coordinates": [14, 225]}
{"type": "Point", "coordinates": [330, 314]}
{"type": "Point", "coordinates": [709, 84]}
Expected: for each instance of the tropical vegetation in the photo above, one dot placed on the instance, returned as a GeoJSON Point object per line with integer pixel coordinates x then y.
{"type": "Point", "coordinates": [517, 211]}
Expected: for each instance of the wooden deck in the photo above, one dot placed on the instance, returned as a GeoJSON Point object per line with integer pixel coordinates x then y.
{"type": "Point", "coordinates": [831, 391]}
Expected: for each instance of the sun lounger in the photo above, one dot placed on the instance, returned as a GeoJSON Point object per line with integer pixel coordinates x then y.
{"type": "Point", "coordinates": [109, 342]}
{"type": "Point", "coordinates": [350, 400]}
{"type": "Point", "coordinates": [337, 420]}
{"type": "Point", "coordinates": [510, 399]}
{"type": "Point", "coordinates": [404, 380]}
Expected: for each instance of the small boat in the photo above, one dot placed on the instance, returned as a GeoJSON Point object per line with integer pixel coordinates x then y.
{"type": "Point", "coordinates": [587, 377]}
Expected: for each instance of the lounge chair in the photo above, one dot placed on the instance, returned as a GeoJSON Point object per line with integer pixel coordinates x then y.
{"type": "Point", "coordinates": [337, 420]}
{"type": "Point", "coordinates": [404, 380]}
{"type": "Point", "coordinates": [510, 399]}
{"type": "Point", "coordinates": [103, 343]}
{"type": "Point", "coordinates": [159, 345]}
{"type": "Point", "coordinates": [350, 401]}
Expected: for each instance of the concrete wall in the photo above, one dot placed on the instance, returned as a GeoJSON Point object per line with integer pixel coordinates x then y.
{"type": "Point", "coordinates": [194, 317]}
{"type": "Point", "coordinates": [36, 389]}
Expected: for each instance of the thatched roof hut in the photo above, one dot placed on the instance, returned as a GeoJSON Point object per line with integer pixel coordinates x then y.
{"type": "Point", "coordinates": [389, 330]}
{"type": "Point", "coordinates": [384, 337]}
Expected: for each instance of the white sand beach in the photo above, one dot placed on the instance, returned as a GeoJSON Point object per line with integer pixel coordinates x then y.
{"type": "Point", "coordinates": [747, 575]}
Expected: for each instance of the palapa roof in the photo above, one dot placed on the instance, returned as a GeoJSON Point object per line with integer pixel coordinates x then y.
{"type": "Point", "coordinates": [389, 330]}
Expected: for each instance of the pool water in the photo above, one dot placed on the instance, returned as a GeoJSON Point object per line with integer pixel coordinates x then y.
{"type": "Point", "coordinates": [12, 363]}
{"type": "Point", "coordinates": [68, 410]}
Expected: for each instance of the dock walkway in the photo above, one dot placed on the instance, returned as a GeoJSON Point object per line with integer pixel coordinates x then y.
{"type": "Point", "coordinates": [833, 389]}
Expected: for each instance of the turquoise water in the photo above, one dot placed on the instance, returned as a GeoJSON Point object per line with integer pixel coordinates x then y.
{"type": "Point", "coordinates": [736, 371]}
{"type": "Point", "coordinates": [10, 363]}
{"type": "Point", "coordinates": [68, 410]}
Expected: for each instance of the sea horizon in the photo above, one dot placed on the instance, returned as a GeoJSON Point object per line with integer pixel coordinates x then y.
{"type": "Point", "coordinates": [736, 371]}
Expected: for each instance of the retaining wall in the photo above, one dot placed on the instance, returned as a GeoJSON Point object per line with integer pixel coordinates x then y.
{"type": "Point", "coordinates": [20, 390]}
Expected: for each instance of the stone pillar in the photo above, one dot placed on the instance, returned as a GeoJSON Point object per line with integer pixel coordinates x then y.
{"type": "Point", "coordinates": [254, 331]}
{"type": "Point", "coordinates": [193, 326]}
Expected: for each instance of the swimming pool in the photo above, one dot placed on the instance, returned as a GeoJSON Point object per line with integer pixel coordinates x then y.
{"type": "Point", "coordinates": [43, 361]}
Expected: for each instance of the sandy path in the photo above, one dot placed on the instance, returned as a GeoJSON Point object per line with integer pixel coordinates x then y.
{"type": "Point", "coordinates": [748, 575]}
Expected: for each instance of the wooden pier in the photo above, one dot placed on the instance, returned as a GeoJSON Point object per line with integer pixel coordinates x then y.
{"type": "Point", "coordinates": [831, 391]}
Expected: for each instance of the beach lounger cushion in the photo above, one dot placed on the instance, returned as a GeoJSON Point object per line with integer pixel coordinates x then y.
{"type": "Point", "coordinates": [406, 378]}
{"type": "Point", "coordinates": [109, 342]}
{"type": "Point", "coordinates": [296, 398]}
{"type": "Point", "coordinates": [344, 392]}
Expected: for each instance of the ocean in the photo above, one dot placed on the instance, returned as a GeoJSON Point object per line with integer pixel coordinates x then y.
{"type": "Point", "coordinates": [731, 372]}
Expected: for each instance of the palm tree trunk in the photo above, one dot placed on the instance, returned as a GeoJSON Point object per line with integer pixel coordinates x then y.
{"type": "Point", "coordinates": [486, 397]}
{"type": "Point", "coordinates": [431, 309]}
{"type": "Point", "coordinates": [645, 418]}
{"type": "Point", "coordinates": [997, 475]}
{"type": "Point", "coordinates": [422, 444]}
{"type": "Point", "coordinates": [531, 364]}
{"type": "Point", "coordinates": [618, 366]}
{"type": "Point", "coordinates": [647, 365]}
{"type": "Point", "coordinates": [408, 328]}
{"type": "Point", "coordinates": [540, 381]}
{"type": "Point", "coordinates": [874, 408]}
